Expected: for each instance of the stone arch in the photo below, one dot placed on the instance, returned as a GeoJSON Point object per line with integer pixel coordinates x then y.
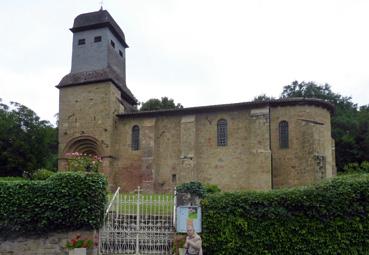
{"type": "Point", "coordinates": [84, 144]}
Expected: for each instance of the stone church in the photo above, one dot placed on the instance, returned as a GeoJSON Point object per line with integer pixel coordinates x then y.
{"type": "Point", "coordinates": [240, 146]}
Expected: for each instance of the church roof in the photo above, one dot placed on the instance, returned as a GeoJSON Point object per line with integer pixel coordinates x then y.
{"type": "Point", "coordinates": [236, 106]}
{"type": "Point", "coordinates": [102, 75]}
{"type": "Point", "coordinates": [99, 19]}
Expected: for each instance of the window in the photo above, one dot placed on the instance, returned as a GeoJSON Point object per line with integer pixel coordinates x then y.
{"type": "Point", "coordinates": [120, 53]}
{"type": "Point", "coordinates": [81, 41]}
{"type": "Point", "coordinates": [97, 39]}
{"type": "Point", "coordinates": [112, 44]}
{"type": "Point", "coordinates": [135, 143]}
{"type": "Point", "coordinates": [222, 132]}
{"type": "Point", "coordinates": [283, 134]}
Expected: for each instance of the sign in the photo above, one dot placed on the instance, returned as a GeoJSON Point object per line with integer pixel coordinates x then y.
{"type": "Point", "coordinates": [186, 214]}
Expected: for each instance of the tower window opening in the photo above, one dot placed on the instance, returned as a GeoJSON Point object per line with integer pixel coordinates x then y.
{"type": "Point", "coordinates": [97, 39]}
{"type": "Point", "coordinates": [120, 53]}
{"type": "Point", "coordinates": [81, 41]}
{"type": "Point", "coordinates": [112, 44]}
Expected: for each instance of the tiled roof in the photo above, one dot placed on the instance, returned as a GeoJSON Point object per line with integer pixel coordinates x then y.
{"type": "Point", "coordinates": [107, 74]}
{"type": "Point", "coordinates": [236, 106]}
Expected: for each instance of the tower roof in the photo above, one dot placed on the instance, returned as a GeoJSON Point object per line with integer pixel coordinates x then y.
{"type": "Point", "coordinates": [98, 19]}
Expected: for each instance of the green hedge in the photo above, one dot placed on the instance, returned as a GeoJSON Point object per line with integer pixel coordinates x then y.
{"type": "Point", "coordinates": [63, 202]}
{"type": "Point", "coordinates": [330, 218]}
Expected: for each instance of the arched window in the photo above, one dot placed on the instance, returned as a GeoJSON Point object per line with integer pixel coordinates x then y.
{"type": "Point", "coordinates": [135, 141]}
{"type": "Point", "coordinates": [222, 132]}
{"type": "Point", "coordinates": [283, 134]}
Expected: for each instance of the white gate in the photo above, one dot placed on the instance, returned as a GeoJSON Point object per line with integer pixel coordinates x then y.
{"type": "Point", "coordinates": [138, 224]}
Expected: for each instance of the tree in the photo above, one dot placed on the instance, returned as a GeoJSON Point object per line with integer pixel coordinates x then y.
{"type": "Point", "coordinates": [26, 142]}
{"type": "Point", "coordinates": [155, 104]}
{"type": "Point", "coordinates": [262, 98]}
{"type": "Point", "coordinates": [349, 125]}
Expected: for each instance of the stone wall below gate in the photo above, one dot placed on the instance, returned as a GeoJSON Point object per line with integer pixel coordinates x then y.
{"type": "Point", "coordinates": [48, 244]}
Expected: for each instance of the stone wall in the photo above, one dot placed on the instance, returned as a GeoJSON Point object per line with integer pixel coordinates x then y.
{"type": "Point", "coordinates": [181, 148]}
{"type": "Point", "coordinates": [50, 244]}
{"type": "Point", "coordinates": [87, 117]}
{"type": "Point", "coordinates": [308, 158]}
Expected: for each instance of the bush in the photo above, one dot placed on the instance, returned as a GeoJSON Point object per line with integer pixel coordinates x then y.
{"type": "Point", "coordinates": [211, 189]}
{"type": "Point", "coordinates": [42, 174]}
{"type": "Point", "coordinates": [329, 218]}
{"type": "Point", "coordinates": [194, 188]}
{"type": "Point", "coordinates": [64, 202]}
{"type": "Point", "coordinates": [356, 168]}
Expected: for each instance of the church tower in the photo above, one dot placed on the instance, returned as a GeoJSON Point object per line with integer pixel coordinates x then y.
{"type": "Point", "coordinates": [95, 90]}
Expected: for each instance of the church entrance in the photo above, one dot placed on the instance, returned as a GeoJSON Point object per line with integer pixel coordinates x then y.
{"type": "Point", "coordinates": [138, 223]}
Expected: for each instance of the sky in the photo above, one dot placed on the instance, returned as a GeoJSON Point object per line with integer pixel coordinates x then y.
{"type": "Point", "coordinates": [198, 52]}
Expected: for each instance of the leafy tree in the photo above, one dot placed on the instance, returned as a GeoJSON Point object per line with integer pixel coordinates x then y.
{"type": "Point", "coordinates": [154, 104]}
{"type": "Point", "coordinates": [262, 98]}
{"type": "Point", "coordinates": [349, 125]}
{"type": "Point", "coordinates": [26, 142]}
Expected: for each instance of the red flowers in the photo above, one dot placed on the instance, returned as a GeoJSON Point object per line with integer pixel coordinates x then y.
{"type": "Point", "coordinates": [79, 243]}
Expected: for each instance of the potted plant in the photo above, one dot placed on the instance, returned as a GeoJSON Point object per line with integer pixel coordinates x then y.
{"type": "Point", "coordinates": [78, 246]}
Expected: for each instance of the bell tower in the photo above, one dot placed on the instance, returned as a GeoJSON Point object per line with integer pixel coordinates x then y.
{"type": "Point", "coordinates": [95, 90]}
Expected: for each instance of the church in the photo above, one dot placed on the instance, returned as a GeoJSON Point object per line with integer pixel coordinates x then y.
{"type": "Point", "coordinates": [241, 146]}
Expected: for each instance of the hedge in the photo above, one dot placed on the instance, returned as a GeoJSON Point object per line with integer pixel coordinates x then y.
{"type": "Point", "coordinates": [63, 202]}
{"type": "Point", "coordinates": [329, 218]}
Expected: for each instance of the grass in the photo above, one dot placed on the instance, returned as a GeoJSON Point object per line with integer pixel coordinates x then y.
{"type": "Point", "coordinates": [150, 204]}
{"type": "Point", "coordinates": [12, 179]}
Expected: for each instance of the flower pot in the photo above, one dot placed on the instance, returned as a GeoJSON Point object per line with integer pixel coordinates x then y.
{"type": "Point", "coordinates": [78, 251]}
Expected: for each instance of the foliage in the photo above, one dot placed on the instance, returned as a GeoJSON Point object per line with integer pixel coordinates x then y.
{"type": "Point", "coordinates": [83, 162]}
{"type": "Point", "coordinates": [194, 188]}
{"type": "Point", "coordinates": [154, 104]}
{"type": "Point", "coordinates": [263, 98]}
{"type": "Point", "coordinates": [328, 218]}
{"type": "Point", "coordinates": [11, 178]}
{"type": "Point", "coordinates": [211, 189]}
{"type": "Point", "coordinates": [350, 125]}
{"type": "Point", "coordinates": [64, 202]}
{"type": "Point", "coordinates": [26, 142]}
{"type": "Point", "coordinates": [357, 168]}
{"type": "Point", "coordinates": [42, 174]}
{"type": "Point", "coordinates": [79, 243]}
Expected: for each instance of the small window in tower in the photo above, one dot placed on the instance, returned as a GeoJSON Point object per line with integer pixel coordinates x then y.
{"type": "Point", "coordinates": [112, 44]}
{"type": "Point", "coordinates": [120, 53]}
{"type": "Point", "coordinates": [81, 41]}
{"type": "Point", "coordinates": [97, 39]}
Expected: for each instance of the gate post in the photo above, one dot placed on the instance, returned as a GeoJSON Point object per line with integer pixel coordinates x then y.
{"type": "Point", "coordinates": [138, 221]}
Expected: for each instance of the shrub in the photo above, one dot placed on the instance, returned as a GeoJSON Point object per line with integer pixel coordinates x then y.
{"type": "Point", "coordinates": [329, 218]}
{"type": "Point", "coordinates": [211, 189]}
{"type": "Point", "coordinates": [194, 188]}
{"type": "Point", "coordinates": [64, 202]}
{"type": "Point", "coordinates": [357, 168]}
{"type": "Point", "coordinates": [42, 174]}
{"type": "Point", "coordinates": [83, 162]}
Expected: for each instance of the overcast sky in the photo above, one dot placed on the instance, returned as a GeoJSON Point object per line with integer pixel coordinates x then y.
{"type": "Point", "coordinates": [198, 52]}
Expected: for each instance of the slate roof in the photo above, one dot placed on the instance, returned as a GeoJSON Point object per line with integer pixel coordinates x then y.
{"type": "Point", "coordinates": [99, 19]}
{"type": "Point", "coordinates": [107, 74]}
{"type": "Point", "coordinates": [232, 107]}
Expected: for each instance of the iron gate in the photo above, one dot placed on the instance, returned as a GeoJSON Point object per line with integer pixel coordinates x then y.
{"type": "Point", "coordinates": [138, 223]}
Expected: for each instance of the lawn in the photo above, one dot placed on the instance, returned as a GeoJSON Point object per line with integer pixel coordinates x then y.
{"type": "Point", "coordinates": [149, 204]}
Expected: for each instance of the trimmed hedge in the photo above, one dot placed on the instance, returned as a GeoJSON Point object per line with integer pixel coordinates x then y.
{"type": "Point", "coordinates": [329, 218]}
{"type": "Point", "coordinates": [64, 202]}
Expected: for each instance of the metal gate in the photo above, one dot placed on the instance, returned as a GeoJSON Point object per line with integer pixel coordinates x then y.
{"type": "Point", "coordinates": [138, 223]}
